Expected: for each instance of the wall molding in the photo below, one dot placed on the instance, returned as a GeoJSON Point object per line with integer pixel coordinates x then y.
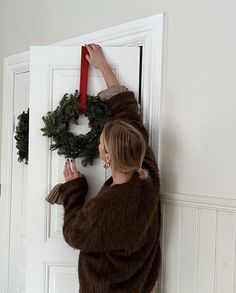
{"type": "Point", "coordinates": [201, 201]}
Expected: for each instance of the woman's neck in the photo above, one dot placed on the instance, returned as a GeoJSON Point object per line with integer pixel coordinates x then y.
{"type": "Point", "coordinates": [120, 177]}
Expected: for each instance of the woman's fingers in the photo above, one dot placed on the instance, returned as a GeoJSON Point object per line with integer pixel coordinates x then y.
{"type": "Point", "coordinates": [70, 170]}
{"type": "Point", "coordinates": [95, 56]}
{"type": "Point", "coordinates": [68, 174]}
{"type": "Point", "coordinates": [95, 47]}
{"type": "Point", "coordinates": [88, 58]}
{"type": "Point", "coordinates": [74, 167]}
{"type": "Point", "coordinates": [90, 49]}
{"type": "Point", "coordinates": [65, 168]}
{"type": "Point", "coordinates": [76, 173]}
{"type": "Point", "coordinates": [65, 172]}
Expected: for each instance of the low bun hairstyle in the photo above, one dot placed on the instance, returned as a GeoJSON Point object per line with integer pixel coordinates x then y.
{"type": "Point", "coordinates": [143, 173]}
{"type": "Point", "coordinates": [126, 146]}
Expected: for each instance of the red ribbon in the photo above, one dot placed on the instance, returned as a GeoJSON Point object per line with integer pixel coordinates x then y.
{"type": "Point", "coordinates": [83, 80]}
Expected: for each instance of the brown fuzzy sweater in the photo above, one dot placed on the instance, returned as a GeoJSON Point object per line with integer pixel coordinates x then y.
{"type": "Point", "coordinates": [117, 231]}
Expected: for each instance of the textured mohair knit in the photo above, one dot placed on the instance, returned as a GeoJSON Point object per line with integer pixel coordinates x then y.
{"type": "Point", "coordinates": [117, 231]}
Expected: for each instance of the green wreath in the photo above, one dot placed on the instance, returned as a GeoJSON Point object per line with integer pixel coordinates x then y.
{"type": "Point", "coordinates": [22, 136]}
{"type": "Point", "coordinates": [57, 125]}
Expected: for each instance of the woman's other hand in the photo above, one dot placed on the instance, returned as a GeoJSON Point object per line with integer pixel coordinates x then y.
{"type": "Point", "coordinates": [96, 57]}
{"type": "Point", "coordinates": [71, 173]}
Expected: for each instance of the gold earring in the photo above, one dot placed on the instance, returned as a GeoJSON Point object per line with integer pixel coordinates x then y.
{"type": "Point", "coordinates": [106, 165]}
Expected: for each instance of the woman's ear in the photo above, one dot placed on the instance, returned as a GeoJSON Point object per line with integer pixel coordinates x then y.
{"type": "Point", "coordinates": [108, 158]}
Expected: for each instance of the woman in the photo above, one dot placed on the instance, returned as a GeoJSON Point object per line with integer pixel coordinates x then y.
{"type": "Point", "coordinates": [117, 231]}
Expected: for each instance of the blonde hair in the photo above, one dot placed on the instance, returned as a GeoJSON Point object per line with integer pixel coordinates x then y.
{"type": "Point", "coordinates": [126, 146]}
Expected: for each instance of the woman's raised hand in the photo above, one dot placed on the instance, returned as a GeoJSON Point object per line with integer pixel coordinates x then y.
{"type": "Point", "coordinates": [70, 173]}
{"type": "Point", "coordinates": [96, 57]}
{"type": "Point", "coordinates": [98, 60]}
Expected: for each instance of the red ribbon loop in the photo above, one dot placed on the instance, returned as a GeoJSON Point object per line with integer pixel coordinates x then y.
{"type": "Point", "coordinates": [83, 80]}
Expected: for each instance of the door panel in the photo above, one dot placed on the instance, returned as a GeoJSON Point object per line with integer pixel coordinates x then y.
{"type": "Point", "coordinates": [19, 195]}
{"type": "Point", "coordinates": [51, 264]}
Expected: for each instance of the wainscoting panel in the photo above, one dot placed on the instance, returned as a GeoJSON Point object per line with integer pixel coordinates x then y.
{"type": "Point", "coordinates": [206, 250]}
{"type": "Point", "coordinates": [198, 248]}
{"type": "Point", "coordinates": [171, 248]}
{"type": "Point", "coordinates": [225, 252]}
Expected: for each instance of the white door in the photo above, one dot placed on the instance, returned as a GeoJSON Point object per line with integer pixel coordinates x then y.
{"type": "Point", "coordinates": [51, 265]}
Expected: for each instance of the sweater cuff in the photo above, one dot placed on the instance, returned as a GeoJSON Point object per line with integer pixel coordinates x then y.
{"type": "Point", "coordinates": [111, 91]}
{"type": "Point", "coordinates": [53, 195]}
{"type": "Point", "coordinates": [74, 188]}
{"type": "Point", "coordinates": [62, 192]}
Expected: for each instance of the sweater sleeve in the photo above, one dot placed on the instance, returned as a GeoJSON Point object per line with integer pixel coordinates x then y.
{"type": "Point", "coordinates": [104, 224]}
{"type": "Point", "coordinates": [124, 106]}
{"type": "Point", "coordinates": [73, 191]}
{"type": "Point", "coordinates": [72, 195]}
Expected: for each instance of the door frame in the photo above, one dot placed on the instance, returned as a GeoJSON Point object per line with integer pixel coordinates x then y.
{"type": "Point", "coordinates": [146, 32]}
{"type": "Point", "coordinates": [13, 65]}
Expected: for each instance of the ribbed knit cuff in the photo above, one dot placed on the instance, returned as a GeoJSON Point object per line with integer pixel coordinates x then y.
{"type": "Point", "coordinates": [61, 191]}
{"type": "Point", "coordinates": [111, 91]}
